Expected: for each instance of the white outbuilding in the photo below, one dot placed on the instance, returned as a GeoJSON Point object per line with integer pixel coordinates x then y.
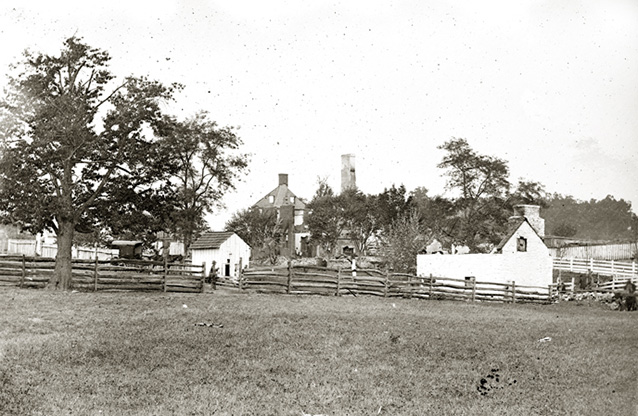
{"type": "Point", "coordinates": [225, 249]}
{"type": "Point", "coordinates": [521, 257]}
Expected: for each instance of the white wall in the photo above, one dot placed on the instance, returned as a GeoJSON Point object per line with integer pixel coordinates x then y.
{"type": "Point", "coordinates": [530, 268]}
{"type": "Point", "coordinates": [234, 248]}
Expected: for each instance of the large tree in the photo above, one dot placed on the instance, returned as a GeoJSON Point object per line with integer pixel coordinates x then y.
{"type": "Point", "coordinates": [207, 165]}
{"type": "Point", "coordinates": [324, 218]}
{"type": "Point", "coordinates": [359, 217]}
{"type": "Point", "coordinates": [75, 143]}
{"type": "Point", "coordinates": [482, 185]}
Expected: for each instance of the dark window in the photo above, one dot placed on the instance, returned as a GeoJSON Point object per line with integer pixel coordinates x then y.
{"type": "Point", "coordinates": [521, 244]}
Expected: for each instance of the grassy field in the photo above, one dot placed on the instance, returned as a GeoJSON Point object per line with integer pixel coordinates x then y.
{"type": "Point", "coordinates": [145, 354]}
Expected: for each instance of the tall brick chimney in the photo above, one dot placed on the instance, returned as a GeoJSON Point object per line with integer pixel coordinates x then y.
{"type": "Point", "coordinates": [348, 176]}
{"type": "Point", "coordinates": [283, 179]}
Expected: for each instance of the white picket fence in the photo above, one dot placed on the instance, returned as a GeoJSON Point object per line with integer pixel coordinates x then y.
{"type": "Point", "coordinates": [28, 248]}
{"type": "Point", "coordinates": [603, 267]}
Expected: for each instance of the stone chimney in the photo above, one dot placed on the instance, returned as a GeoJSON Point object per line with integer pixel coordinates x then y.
{"type": "Point", "coordinates": [348, 176]}
{"type": "Point", "coordinates": [283, 179]}
{"type": "Point", "coordinates": [532, 214]}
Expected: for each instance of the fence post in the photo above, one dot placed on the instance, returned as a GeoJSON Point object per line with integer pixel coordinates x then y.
{"type": "Point", "coordinates": [410, 286]}
{"type": "Point", "coordinates": [591, 264]}
{"type": "Point", "coordinates": [24, 271]}
{"type": "Point", "coordinates": [289, 283]}
{"type": "Point", "coordinates": [386, 281]}
{"type": "Point", "coordinates": [165, 267]}
{"type": "Point", "coordinates": [573, 285]}
{"type": "Point", "coordinates": [203, 275]}
{"type": "Point", "coordinates": [430, 291]}
{"type": "Point", "coordinates": [571, 264]}
{"type": "Point", "coordinates": [337, 293]}
{"type": "Point", "coordinates": [95, 275]}
{"type": "Point", "coordinates": [473, 288]}
{"type": "Point", "coordinates": [513, 291]}
{"type": "Point", "coordinates": [549, 291]}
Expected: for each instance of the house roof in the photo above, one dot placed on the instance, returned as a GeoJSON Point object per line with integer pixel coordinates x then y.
{"type": "Point", "coordinates": [511, 231]}
{"type": "Point", "coordinates": [118, 243]}
{"type": "Point", "coordinates": [211, 239]}
{"type": "Point", "coordinates": [282, 195]}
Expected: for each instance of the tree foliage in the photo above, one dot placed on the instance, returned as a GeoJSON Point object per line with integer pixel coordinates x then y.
{"type": "Point", "coordinates": [206, 164]}
{"type": "Point", "coordinates": [403, 240]}
{"type": "Point", "coordinates": [606, 219]}
{"type": "Point", "coordinates": [260, 229]}
{"type": "Point", "coordinates": [324, 218]}
{"type": "Point", "coordinates": [482, 184]}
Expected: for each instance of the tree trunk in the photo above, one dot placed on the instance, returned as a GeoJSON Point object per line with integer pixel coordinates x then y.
{"type": "Point", "coordinates": [62, 274]}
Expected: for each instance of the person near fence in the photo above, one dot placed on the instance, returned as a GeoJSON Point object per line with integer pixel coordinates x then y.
{"type": "Point", "coordinates": [630, 295]}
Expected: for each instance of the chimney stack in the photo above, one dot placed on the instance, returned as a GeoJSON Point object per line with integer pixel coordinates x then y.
{"type": "Point", "coordinates": [532, 214]}
{"type": "Point", "coordinates": [283, 179]}
{"type": "Point", "coordinates": [348, 176]}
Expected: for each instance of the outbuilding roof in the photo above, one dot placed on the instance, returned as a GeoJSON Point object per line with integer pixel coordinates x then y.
{"type": "Point", "coordinates": [211, 239]}
{"type": "Point", "coordinates": [118, 243]}
{"type": "Point", "coordinates": [515, 225]}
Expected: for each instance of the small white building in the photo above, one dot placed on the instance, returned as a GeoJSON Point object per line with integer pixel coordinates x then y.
{"type": "Point", "coordinates": [223, 248]}
{"type": "Point", "coordinates": [521, 257]}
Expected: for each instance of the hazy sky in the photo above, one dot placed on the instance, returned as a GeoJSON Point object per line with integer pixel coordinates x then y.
{"type": "Point", "coordinates": [550, 86]}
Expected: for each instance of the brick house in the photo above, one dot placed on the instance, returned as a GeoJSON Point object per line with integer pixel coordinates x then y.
{"type": "Point", "coordinates": [291, 210]}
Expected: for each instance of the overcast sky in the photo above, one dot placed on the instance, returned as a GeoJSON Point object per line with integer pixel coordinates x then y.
{"type": "Point", "coordinates": [549, 86]}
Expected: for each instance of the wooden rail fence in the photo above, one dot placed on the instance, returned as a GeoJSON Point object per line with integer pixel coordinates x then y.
{"type": "Point", "coordinates": [338, 282]}
{"type": "Point", "coordinates": [100, 275]}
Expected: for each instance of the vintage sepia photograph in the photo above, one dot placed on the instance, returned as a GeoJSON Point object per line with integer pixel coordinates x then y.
{"type": "Point", "coordinates": [318, 208]}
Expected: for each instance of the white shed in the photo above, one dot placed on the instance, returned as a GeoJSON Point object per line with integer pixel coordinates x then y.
{"type": "Point", "coordinates": [225, 248]}
{"type": "Point", "coordinates": [521, 257]}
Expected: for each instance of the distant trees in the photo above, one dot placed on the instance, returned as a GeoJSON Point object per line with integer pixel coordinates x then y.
{"type": "Point", "coordinates": [260, 229]}
{"type": "Point", "coordinates": [403, 240]}
{"type": "Point", "coordinates": [605, 219]}
{"type": "Point", "coordinates": [324, 218]}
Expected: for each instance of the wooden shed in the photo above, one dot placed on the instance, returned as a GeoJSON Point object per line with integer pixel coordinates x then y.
{"type": "Point", "coordinates": [225, 248]}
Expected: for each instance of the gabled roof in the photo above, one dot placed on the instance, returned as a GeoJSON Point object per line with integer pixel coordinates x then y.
{"type": "Point", "coordinates": [211, 239]}
{"type": "Point", "coordinates": [511, 231]}
{"type": "Point", "coordinates": [282, 196]}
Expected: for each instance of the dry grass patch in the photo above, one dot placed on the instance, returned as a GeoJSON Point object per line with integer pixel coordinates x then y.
{"type": "Point", "coordinates": [145, 354]}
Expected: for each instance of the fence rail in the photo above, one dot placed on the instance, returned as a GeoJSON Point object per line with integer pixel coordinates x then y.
{"type": "Point", "coordinates": [100, 275]}
{"type": "Point", "coordinates": [603, 267]}
{"type": "Point", "coordinates": [338, 282]}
